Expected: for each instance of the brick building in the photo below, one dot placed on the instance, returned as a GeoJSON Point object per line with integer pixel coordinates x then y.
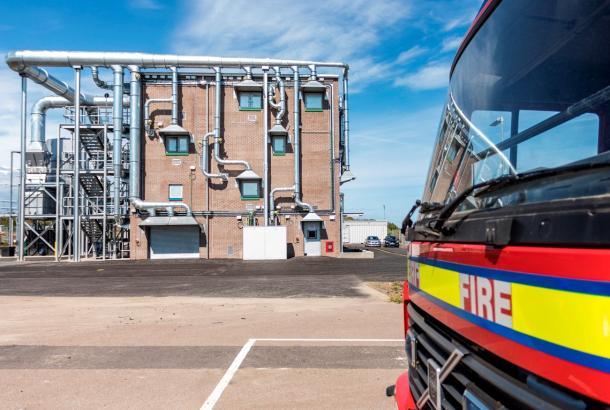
{"type": "Point", "coordinates": [172, 165]}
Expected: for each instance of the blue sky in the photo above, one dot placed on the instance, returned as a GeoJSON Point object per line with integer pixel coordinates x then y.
{"type": "Point", "coordinates": [399, 52]}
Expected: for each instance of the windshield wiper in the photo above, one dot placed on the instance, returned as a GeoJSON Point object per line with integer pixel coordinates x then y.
{"type": "Point", "coordinates": [510, 179]}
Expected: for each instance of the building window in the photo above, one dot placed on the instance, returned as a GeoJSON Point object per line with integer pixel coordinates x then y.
{"type": "Point", "coordinates": [313, 101]}
{"type": "Point", "coordinates": [175, 192]}
{"type": "Point", "coordinates": [250, 100]}
{"type": "Point", "coordinates": [453, 150]}
{"type": "Point", "coordinates": [278, 145]}
{"type": "Point", "coordinates": [250, 189]}
{"type": "Point", "coordinates": [177, 145]}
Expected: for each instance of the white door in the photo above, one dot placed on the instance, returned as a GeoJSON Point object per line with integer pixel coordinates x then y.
{"type": "Point", "coordinates": [174, 242]}
{"type": "Point", "coordinates": [312, 238]}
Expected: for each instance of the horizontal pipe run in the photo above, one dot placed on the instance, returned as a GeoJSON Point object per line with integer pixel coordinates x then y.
{"type": "Point", "coordinates": [150, 206]}
{"type": "Point", "coordinates": [20, 60]}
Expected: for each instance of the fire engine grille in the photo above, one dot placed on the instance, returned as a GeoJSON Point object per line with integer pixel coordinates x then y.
{"type": "Point", "coordinates": [499, 383]}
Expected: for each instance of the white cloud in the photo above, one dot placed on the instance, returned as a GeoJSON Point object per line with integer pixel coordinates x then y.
{"type": "Point", "coordinates": [458, 22]}
{"type": "Point", "coordinates": [410, 54]}
{"type": "Point", "coordinates": [330, 30]}
{"type": "Point", "coordinates": [431, 76]}
{"type": "Point", "coordinates": [451, 43]}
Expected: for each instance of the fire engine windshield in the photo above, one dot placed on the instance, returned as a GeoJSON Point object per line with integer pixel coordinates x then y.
{"type": "Point", "coordinates": [530, 91]}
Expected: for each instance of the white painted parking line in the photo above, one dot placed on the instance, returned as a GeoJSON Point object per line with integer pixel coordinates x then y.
{"type": "Point", "coordinates": [224, 382]}
{"type": "Point", "coordinates": [393, 253]}
{"type": "Point", "coordinates": [328, 340]}
{"type": "Point", "coordinates": [241, 356]}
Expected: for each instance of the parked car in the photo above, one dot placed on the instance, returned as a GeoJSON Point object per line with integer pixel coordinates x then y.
{"type": "Point", "coordinates": [372, 241]}
{"type": "Point", "coordinates": [391, 241]}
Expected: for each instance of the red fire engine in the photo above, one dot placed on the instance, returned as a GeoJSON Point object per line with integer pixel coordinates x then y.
{"type": "Point", "coordinates": [507, 302]}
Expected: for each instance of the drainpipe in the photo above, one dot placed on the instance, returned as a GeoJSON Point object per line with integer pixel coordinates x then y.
{"type": "Point", "coordinates": [205, 155]}
{"type": "Point", "coordinates": [266, 144]}
{"type": "Point", "coordinates": [135, 131]}
{"type": "Point", "coordinates": [217, 137]}
{"type": "Point", "coordinates": [117, 117]}
{"type": "Point", "coordinates": [297, 144]}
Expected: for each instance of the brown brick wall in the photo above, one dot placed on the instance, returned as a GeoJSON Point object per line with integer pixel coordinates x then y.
{"type": "Point", "coordinates": [242, 133]}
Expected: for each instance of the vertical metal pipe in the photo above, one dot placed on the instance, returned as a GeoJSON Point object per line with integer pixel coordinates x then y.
{"type": "Point", "coordinates": [297, 143]}
{"type": "Point", "coordinates": [57, 202]}
{"type": "Point", "coordinates": [345, 118]}
{"type": "Point", "coordinates": [174, 96]}
{"type": "Point", "coordinates": [217, 107]}
{"type": "Point", "coordinates": [76, 246]}
{"type": "Point", "coordinates": [332, 146]}
{"type": "Point", "coordinates": [105, 202]}
{"type": "Point", "coordinates": [117, 119]}
{"type": "Point", "coordinates": [22, 173]}
{"type": "Point", "coordinates": [135, 105]}
{"type": "Point", "coordinates": [266, 144]}
{"type": "Point", "coordinates": [10, 204]}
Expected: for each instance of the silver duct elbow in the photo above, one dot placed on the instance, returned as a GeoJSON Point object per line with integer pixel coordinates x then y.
{"type": "Point", "coordinates": [281, 106]}
{"type": "Point", "coordinates": [205, 158]}
{"type": "Point", "coordinates": [272, 195]}
{"type": "Point", "coordinates": [39, 110]}
{"type": "Point", "coordinates": [98, 81]}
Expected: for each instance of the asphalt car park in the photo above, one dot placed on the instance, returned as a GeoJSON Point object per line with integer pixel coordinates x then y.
{"type": "Point", "coordinates": [302, 333]}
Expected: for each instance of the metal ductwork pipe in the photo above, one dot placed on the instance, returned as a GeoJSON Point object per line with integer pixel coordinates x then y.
{"type": "Point", "coordinates": [117, 129]}
{"type": "Point", "coordinates": [174, 96]}
{"type": "Point", "coordinates": [20, 60]}
{"type": "Point", "coordinates": [266, 145]}
{"type": "Point", "coordinates": [135, 126]}
{"type": "Point", "coordinates": [282, 105]}
{"type": "Point", "coordinates": [103, 84]}
{"type": "Point", "coordinates": [346, 119]}
{"type": "Point", "coordinates": [98, 81]}
{"type": "Point", "coordinates": [150, 206]}
{"type": "Point", "coordinates": [205, 157]}
{"type": "Point", "coordinates": [39, 112]}
{"type": "Point", "coordinates": [42, 77]}
{"type": "Point", "coordinates": [217, 137]}
{"type": "Point", "coordinates": [147, 121]}
{"type": "Point", "coordinates": [297, 144]}
{"type": "Point", "coordinates": [272, 195]}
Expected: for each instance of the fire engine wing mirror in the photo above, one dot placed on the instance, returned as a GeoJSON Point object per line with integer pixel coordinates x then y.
{"type": "Point", "coordinates": [408, 222]}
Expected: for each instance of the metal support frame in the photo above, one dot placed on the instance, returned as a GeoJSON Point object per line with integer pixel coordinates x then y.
{"type": "Point", "coordinates": [76, 183]}
{"type": "Point", "coordinates": [22, 171]}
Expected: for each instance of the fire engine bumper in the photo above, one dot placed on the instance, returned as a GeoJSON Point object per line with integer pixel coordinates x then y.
{"type": "Point", "coordinates": [402, 393]}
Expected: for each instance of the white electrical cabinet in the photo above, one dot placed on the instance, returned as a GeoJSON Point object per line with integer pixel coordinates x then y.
{"type": "Point", "coordinates": [265, 242]}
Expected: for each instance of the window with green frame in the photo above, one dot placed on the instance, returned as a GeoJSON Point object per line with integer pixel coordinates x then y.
{"type": "Point", "coordinates": [314, 101]}
{"type": "Point", "coordinates": [250, 189]}
{"type": "Point", "coordinates": [250, 101]}
{"type": "Point", "coordinates": [177, 144]}
{"type": "Point", "coordinates": [278, 145]}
